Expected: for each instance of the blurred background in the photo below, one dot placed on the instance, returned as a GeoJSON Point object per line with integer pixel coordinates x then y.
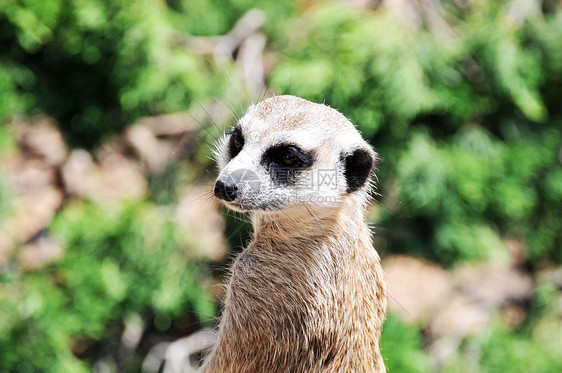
{"type": "Point", "coordinates": [112, 250]}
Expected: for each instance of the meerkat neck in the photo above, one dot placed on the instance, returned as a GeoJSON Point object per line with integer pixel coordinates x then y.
{"type": "Point", "coordinates": [311, 223]}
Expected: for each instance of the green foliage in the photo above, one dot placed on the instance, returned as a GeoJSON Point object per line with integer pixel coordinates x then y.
{"type": "Point", "coordinates": [506, 351]}
{"type": "Point", "coordinates": [90, 64]}
{"type": "Point", "coordinates": [117, 265]}
{"type": "Point", "coordinates": [97, 65]}
{"type": "Point", "coordinates": [6, 143]}
{"type": "Point", "coordinates": [465, 114]}
{"type": "Point", "coordinates": [468, 122]}
{"type": "Point", "coordinates": [401, 347]}
{"type": "Point", "coordinates": [503, 350]}
{"type": "Point", "coordinates": [536, 347]}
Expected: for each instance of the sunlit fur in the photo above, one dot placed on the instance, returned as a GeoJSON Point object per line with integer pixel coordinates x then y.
{"type": "Point", "coordinates": [308, 293]}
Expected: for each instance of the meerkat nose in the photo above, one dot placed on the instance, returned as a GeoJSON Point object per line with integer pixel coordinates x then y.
{"type": "Point", "coordinates": [226, 191]}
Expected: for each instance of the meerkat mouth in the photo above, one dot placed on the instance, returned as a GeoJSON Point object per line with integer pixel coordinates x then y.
{"type": "Point", "coordinates": [238, 206]}
{"type": "Point", "coordinates": [243, 207]}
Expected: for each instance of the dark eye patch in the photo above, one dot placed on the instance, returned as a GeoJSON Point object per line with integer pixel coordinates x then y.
{"type": "Point", "coordinates": [236, 142]}
{"type": "Point", "coordinates": [285, 161]}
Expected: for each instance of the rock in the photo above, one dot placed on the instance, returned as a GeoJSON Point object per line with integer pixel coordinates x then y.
{"type": "Point", "coordinates": [76, 171]}
{"type": "Point", "coordinates": [456, 304]}
{"type": "Point", "coordinates": [36, 196]}
{"type": "Point", "coordinates": [481, 292]}
{"type": "Point", "coordinates": [39, 253]}
{"type": "Point", "coordinates": [493, 286]}
{"type": "Point", "coordinates": [123, 179]}
{"type": "Point", "coordinates": [33, 213]}
{"type": "Point", "coordinates": [155, 153]}
{"type": "Point", "coordinates": [170, 125]}
{"type": "Point", "coordinates": [418, 287]}
{"type": "Point", "coordinates": [458, 317]}
{"type": "Point", "coordinates": [32, 183]}
{"type": "Point", "coordinates": [158, 140]}
{"type": "Point", "coordinates": [115, 178]}
{"type": "Point", "coordinates": [27, 175]}
{"type": "Point", "coordinates": [43, 140]}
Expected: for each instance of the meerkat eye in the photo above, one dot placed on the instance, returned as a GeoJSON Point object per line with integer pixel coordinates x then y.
{"type": "Point", "coordinates": [290, 158]}
{"type": "Point", "coordinates": [284, 155]}
{"type": "Point", "coordinates": [236, 142]}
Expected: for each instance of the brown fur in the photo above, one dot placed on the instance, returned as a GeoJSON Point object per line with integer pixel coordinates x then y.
{"type": "Point", "coordinates": [308, 293]}
{"type": "Point", "coordinates": [289, 112]}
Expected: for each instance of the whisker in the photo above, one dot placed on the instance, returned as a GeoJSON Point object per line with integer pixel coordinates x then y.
{"type": "Point", "coordinates": [232, 112]}
{"type": "Point", "coordinates": [233, 86]}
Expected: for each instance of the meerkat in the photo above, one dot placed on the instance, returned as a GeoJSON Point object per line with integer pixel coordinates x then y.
{"type": "Point", "coordinates": [308, 292]}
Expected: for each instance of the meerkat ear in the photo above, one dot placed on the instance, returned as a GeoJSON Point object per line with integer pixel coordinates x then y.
{"type": "Point", "coordinates": [358, 167]}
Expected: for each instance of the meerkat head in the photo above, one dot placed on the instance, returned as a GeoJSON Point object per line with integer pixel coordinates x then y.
{"type": "Point", "coordinates": [288, 153]}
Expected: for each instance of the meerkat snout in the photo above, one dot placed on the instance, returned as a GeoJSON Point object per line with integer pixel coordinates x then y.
{"type": "Point", "coordinates": [225, 191]}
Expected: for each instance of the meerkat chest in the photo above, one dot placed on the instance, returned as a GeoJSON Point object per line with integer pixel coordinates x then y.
{"type": "Point", "coordinates": [292, 277]}
{"type": "Point", "coordinates": [308, 307]}
{"type": "Point", "coordinates": [293, 288]}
